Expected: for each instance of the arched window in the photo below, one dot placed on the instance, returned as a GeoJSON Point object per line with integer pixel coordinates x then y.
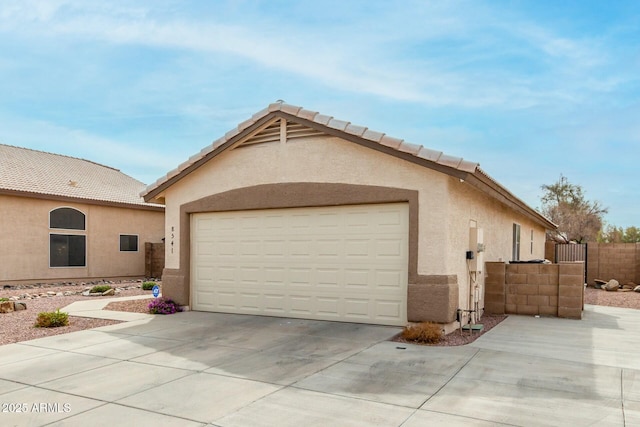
{"type": "Point", "coordinates": [67, 250]}
{"type": "Point", "coordinates": [67, 218]}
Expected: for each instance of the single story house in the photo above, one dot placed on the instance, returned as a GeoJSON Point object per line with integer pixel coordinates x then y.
{"type": "Point", "coordinates": [63, 218]}
{"type": "Point", "coordinates": [294, 213]}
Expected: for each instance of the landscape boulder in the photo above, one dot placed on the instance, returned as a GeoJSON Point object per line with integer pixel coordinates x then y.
{"type": "Point", "coordinates": [6, 306]}
{"type": "Point", "coordinates": [612, 285]}
{"type": "Point", "coordinates": [636, 289]}
{"type": "Point", "coordinates": [599, 283]}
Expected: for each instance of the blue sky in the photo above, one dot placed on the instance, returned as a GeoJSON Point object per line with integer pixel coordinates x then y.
{"type": "Point", "coordinates": [529, 89]}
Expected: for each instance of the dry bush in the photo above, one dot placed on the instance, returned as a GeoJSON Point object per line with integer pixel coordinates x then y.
{"type": "Point", "coordinates": [425, 332]}
{"type": "Point", "coordinates": [52, 319]}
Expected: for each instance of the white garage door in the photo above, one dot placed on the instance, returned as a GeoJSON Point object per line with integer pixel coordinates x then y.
{"type": "Point", "coordinates": [346, 263]}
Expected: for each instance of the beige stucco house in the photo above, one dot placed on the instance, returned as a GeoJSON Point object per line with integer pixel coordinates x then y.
{"type": "Point", "coordinates": [63, 218]}
{"type": "Point", "coordinates": [297, 214]}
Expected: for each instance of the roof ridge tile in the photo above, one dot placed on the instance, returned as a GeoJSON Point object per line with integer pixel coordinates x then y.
{"type": "Point", "coordinates": [338, 124]}
{"type": "Point", "coordinates": [410, 148]}
{"type": "Point", "coordinates": [390, 141]}
{"type": "Point", "coordinates": [322, 119]}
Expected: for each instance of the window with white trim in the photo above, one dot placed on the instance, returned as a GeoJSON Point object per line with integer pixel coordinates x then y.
{"type": "Point", "coordinates": [516, 242]}
{"type": "Point", "coordinates": [67, 249]}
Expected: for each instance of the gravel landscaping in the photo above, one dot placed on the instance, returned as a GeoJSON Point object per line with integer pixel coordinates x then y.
{"type": "Point", "coordinates": [18, 325]}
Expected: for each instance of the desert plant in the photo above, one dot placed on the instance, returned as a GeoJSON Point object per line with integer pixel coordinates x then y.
{"type": "Point", "coordinates": [163, 306]}
{"type": "Point", "coordinates": [425, 332]}
{"type": "Point", "coordinates": [99, 289]}
{"type": "Point", "coordinates": [52, 319]}
{"type": "Point", "coordinates": [4, 299]}
{"type": "Point", "coordinates": [147, 286]}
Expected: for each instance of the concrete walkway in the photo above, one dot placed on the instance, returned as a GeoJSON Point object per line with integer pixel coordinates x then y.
{"type": "Point", "coordinates": [94, 308]}
{"type": "Point", "coordinates": [197, 369]}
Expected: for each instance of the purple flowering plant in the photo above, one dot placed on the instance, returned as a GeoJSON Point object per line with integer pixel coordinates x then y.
{"type": "Point", "coordinates": [163, 306]}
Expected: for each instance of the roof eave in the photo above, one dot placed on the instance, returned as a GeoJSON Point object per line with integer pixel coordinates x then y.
{"type": "Point", "coordinates": [459, 169]}
{"type": "Point", "coordinates": [485, 183]}
{"type": "Point", "coordinates": [61, 198]}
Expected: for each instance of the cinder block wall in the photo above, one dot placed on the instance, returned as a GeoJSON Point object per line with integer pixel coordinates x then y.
{"type": "Point", "coordinates": [154, 259]}
{"type": "Point", "coordinates": [544, 289]}
{"type": "Point", "coordinates": [620, 261]}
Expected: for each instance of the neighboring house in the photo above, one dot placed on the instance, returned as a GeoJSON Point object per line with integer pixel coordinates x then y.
{"type": "Point", "coordinates": [298, 214]}
{"type": "Point", "coordinates": [63, 218]}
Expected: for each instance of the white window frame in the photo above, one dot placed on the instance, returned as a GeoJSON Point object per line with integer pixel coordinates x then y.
{"type": "Point", "coordinates": [86, 249]}
{"type": "Point", "coordinates": [69, 232]}
{"type": "Point", "coordinates": [69, 229]}
{"type": "Point", "coordinates": [515, 253]}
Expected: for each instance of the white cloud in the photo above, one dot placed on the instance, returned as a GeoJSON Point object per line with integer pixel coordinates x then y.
{"type": "Point", "coordinates": [359, 57]}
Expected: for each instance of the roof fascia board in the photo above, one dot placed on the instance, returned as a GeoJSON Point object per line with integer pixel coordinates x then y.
{"type": "Point", "coordinates": [59, 198]}
{"type": "Point", "coordinates": [256, 127]}
{"type": "Point", "coordinates": [505, 197]}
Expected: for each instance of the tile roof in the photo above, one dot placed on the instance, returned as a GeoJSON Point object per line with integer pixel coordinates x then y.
{"type": "Point", "coordinates": [455, 166]}
{"type": "Point", "coordinates": [25, 171]}
{"type": "Point", "coordinates": [400, 145]}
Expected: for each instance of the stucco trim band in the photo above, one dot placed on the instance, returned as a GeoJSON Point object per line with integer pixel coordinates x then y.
{"type": "Point", "coordinates": [308, 194]}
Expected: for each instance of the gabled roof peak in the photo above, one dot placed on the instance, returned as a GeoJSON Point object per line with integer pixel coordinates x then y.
{"type": "Point", "coordinates": [331, 125]}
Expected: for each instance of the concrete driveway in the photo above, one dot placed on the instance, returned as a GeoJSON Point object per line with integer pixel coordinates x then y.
{"type": "Point", "coordinates": [194, 368]}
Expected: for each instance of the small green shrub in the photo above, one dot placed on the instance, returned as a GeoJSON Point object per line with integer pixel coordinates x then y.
{"type": "Point", "coordinates": [4, 299]}
{"type": "Point", "coordinates": [147, 286]}
{"type": "Point", "coordinates": [99, 289]}
{"type": "Point", "coordinates": [163, 306]}
{"type": "Point", "coordinates": [425, 332]}
{"type": "Point", "coordinates": [52, 319]}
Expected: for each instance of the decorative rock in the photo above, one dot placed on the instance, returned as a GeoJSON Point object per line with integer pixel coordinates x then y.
{"type": "Point", "coordinates": [599, 283]}
{"type": "Point", "coordinates": [109, 292]}
{"type": "Point", "coordinates": [612, 285]}
{"type": "Point", "coordinates": [6, 306]}
{"type": "Point", "coordinates": [636, 289]}
{"type": "Point", "coordinates": [86, 292]}
{"type": "Point", "coordinates": [629, 285]}
{"type": "Point", "coordinates": [19, 306]}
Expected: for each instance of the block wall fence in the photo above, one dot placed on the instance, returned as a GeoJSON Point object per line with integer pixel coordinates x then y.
{"type": "Point", "coordinates": [620, 261]}
{"type": "Point", "coordinates": [542, 289]}
{"type": "Point", "coordinates": [606, 261]}
{"type": "Point", "coordinates": [153, 260]}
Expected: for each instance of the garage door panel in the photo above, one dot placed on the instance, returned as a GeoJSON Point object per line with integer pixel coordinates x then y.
{"type": "Point", "coordinates": [385, 248]}
{"type": "Point", "coordinates": [387, 309]}
{"type": "Point", "coordinates": [328, 278]}
{"type": "Point", "coordinates": [274, 248]}
{"type": "Point", "coordinates": [389, 279]}
{"type": "Point", "coordinates": [336, 263]}
{"type": "Point", "coordinates": [226, 300]}
{"type": "Point", "coordinates": [356, 279]}
{"type": "Point", "coordinates": [301, 304]}
{"type": "Point", "coordinates": [300, 248]}
{"type": "Point", "coordinates": [357, 308]}
{"type": "Point", "coordinates": [358, 248]}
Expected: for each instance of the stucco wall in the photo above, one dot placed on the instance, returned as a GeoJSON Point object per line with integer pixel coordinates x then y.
{"type": "Point", "coordinates": [447, 207]}
{"type": "Point", "coordinates": [24, 227]}
{"type": "Point", "coordinates": [316, 160]}
{"type": "Point", "coordinates": [468, 204]}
